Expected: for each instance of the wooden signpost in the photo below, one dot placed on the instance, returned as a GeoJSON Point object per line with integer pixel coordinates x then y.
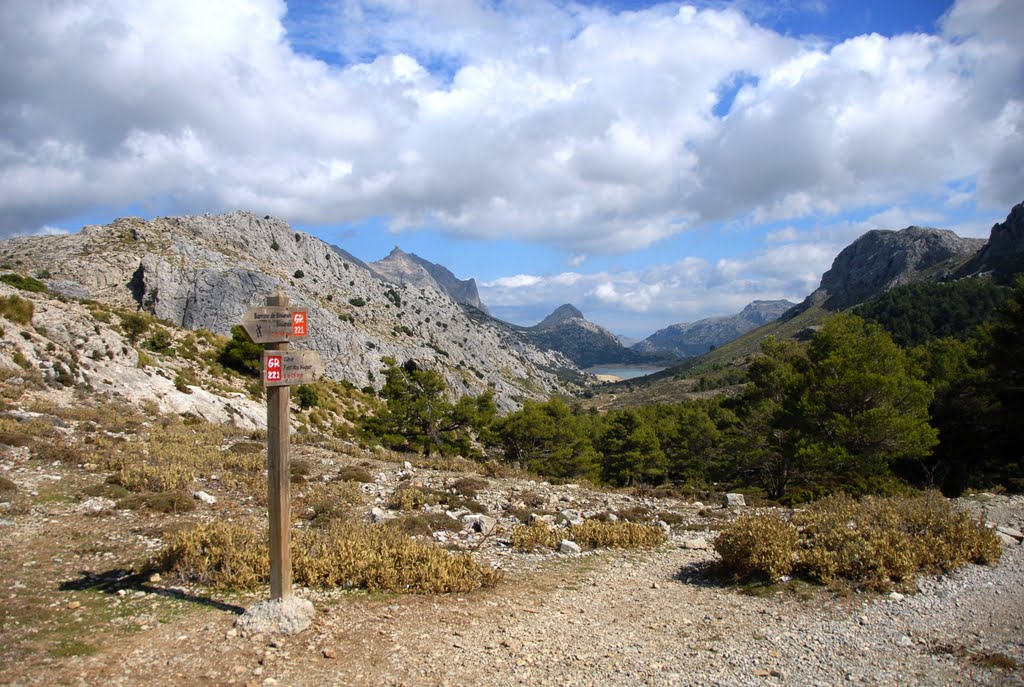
{"type": "Point", "coordinates": [275, 325]}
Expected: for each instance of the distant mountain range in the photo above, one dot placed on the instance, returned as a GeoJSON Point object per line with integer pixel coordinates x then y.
{"type": "Point", "coordinates": [567, 331]}
{"type": "Point", "coordinates": [697, 338]}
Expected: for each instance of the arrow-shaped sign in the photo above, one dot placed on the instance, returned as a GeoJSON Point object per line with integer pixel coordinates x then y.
{"type": "Point", "coordinates": [275, 324]}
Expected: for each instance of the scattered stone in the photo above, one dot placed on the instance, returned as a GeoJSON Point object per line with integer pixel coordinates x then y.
{"type": "Point", "coordinates": [698, 544]}
{"type": "Point", "coordinates": [733, 501]}
{"type": "Point", "coordinates": [378, 514]}
{"type": "Point", "coordinates": [480, 523]}
{"type": "Point", "coordinates": [74, 605]}
{"type": "Point", "coordinates": [329, 653]}
{"type": "Point", "coordinates": [1010, 532]}
{"type": "Point", "coordinates": [286, 616]}
{"type": "Point", "coordinates": [208, 499]}
{"type": "Point", "coordinates": [1006, 539]}
{"type": "Point", "coordinates": [569, 547]}
{"type": "Point", "coordinates": [896, 596]}
{"type": "Point", "coordinates": [95, 505]}
{"type": "Point", "coordinates": [155, 577]}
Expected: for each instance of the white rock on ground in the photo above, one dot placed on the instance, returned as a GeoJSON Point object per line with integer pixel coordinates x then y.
{"type": "Point", "coordinates": [277, 616]}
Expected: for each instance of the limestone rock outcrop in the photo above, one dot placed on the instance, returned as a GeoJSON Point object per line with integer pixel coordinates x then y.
{"type": "Point", "coordinates": [204, 272]}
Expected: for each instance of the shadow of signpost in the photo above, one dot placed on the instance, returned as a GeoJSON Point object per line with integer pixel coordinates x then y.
{"type": "Point", "coordinates": [113, 581]}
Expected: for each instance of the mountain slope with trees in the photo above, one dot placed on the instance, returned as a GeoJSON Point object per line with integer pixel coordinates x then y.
{"type": "Point", "coordinates": [697, 338]}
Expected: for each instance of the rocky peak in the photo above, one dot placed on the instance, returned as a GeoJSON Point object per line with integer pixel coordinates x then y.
{"type": "Point", "coordinates": [560, 315]}
{"type": "Point", "coordinates": [400, 267]}
{"type": "Point", "coordinates": [882, 259]}
{"type": "Point", "coordinates": [1004, 251]}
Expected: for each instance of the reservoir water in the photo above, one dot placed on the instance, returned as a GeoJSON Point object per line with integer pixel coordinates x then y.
{"type": "Point", "coordinates": [623, 371]}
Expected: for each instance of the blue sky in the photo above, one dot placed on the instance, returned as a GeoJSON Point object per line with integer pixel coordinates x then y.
{"type": "Point", "coordinates": [651, 163]}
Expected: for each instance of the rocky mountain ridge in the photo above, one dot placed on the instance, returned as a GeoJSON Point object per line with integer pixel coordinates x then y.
{"type": "Point", "coordinates": [883, 259]}
{"type": "Point", "coordinates": [204, 272]}
{"type": "Point", "coordinates": [400, 267]}
{"type": "Point", "coordinates": [697, 338]}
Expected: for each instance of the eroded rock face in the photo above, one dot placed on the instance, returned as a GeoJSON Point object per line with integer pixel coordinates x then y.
{"type": "Point", "coordinates": [206, 271]}
{"type": "Point", "coordinates": [880, 260]}
{"type": "Point", "coordinates": [400, 267]}
{"type": "Point", "coordinates": [1004, 252]}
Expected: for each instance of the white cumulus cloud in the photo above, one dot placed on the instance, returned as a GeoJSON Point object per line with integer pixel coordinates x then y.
{"type": "Point", "coordinates": [543, 121]}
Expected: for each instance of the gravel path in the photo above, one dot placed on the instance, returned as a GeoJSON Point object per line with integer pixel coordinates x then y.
{"type": "Point", "coordinates": [610, 619]}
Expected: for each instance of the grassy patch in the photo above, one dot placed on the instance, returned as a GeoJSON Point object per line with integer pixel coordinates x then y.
{"type": "Point", "coordinates": [66, 648]}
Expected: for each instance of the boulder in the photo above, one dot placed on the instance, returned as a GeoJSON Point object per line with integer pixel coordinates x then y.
{"type": "Point", "coordinates": [733, 501]}
{"type": "Point", "coordinates": [569, 547]}
{"type": "Point", "coordinates": [478, 522]}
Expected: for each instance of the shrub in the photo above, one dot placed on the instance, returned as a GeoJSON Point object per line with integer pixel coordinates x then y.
{"type": "Point", "coordinates": [344, 553]}
{"type": "Point", "coordinates": [24, 283]}
{"type": "Point", "coordinates": [539, 535]}
{"type": "Point", "coordinates": [877, 541]}
{"type": "Point", "coordinates": [758, 545]}
{"type": "Point", "coordinates": [354, 473]}
{"type": "Point", "coordinates": [17, 309]}
{"type": "Point", "coordinates": [240, 354]}
{"type": "Point", "coordinates": [619, 535]}
{"type": "Point", "coordinates": [134, 325]}
{"type": "Point", "coordinates": [221, 554]}
{"type": "Point", "coordinates": [160, 341]}
{"type": "Point", "coordinates": [357, 302]}
{"type": "Point", "coordinates": [161, 502]}
{"type": "Point", "coordinates": [411, 498]}
{"type": "Point", "coordinates": [183, 379]}
{"type": "Point", "coordinates": [307, 396]}
{"type": "Point", "coordinates": [590, 534]}
{"type": "Point", "coordinates": [327, 501]}
{"type": "Point", "coordinates": [299, 274]}
{"type": "Point", "coordinates": [469, 486]}
{"type": "Point", "coordinates": [424, 524]}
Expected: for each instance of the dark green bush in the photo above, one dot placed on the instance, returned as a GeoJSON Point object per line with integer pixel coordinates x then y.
{"type": "Point", "coordinates": [24, 283]}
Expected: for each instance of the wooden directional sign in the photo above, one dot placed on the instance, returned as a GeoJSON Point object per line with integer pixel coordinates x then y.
{"type": "Point", "coordinates": [275, 323]}
{"type": "Point", "coordinates": [284, 368]}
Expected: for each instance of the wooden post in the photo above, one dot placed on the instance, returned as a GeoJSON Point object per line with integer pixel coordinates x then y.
{"type": "Point", "coordinates": [278, 478]}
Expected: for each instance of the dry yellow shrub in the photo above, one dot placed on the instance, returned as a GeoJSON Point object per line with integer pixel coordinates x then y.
{"type": "Point", "coordinates": [758, 545]}
{"type": "Point", "coordinates": [343, 553]}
